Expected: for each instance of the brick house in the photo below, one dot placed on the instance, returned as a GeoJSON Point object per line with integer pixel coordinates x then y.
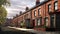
{"type": "Point", "coordinates": [44, 14]}
{"type": "Point", "coordinates": [14, 21]}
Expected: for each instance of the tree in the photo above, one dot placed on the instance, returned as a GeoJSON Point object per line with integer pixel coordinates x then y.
{"type": "Point", "coordinates": [4, 2]}
{"type": "Point", "coordinates": [3, 12]}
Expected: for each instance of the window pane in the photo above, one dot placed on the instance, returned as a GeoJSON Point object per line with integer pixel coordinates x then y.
{"type": "Point", "coordinates": [39, 11]}
{"type": "Point", "coordinates": [56, 6]}
{"type": "Point", "coordinates": [38, 21]}
{"type": "Point", "coordinates": [46, 21]}
{"type": "Point", "coordinates": [49, 7]}
{"type": "Point", "coordinates": [35, 13]}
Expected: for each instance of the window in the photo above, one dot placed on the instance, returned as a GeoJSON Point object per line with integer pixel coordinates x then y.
{"type": "Point", "coordinates": [39, 21]}
{"type": "Point", "coordinates": [24, 16]}
{"type": "Point", "coordinates": [56, 5]}
{"type": "Point", "coordinates": [46, 21]}
{"type": "Point", "coordinates": [27, 16]}
{"type": "Point", "coordinates": [21, 23]}
{"type": "Point", "coordinates": [35, 13]}
{"type": "Point", "coordinates": [39, 11]}
{"type": "Point", "coordinates": [49, 8]}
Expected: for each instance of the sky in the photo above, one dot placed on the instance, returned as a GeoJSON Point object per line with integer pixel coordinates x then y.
{"type": "Point", "coordinates": [19, 5]}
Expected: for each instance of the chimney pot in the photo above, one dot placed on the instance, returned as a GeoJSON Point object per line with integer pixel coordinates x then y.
{"type": "Point", "coordinates": [20, 12]}
{"type": "Point", "coordinates": [37, 2]}
{"type": "Point", "coordinates": [27, 8]}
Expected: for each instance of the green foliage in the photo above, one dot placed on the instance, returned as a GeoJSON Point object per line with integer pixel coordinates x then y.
{"type": "Point", "coordinates": [44, 26]}
{"type": "Point", "coordinates": [4, 2]}
{"type": "Point", "coordinates": [3, 14]}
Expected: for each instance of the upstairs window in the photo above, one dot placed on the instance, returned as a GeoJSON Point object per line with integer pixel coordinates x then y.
{"type": "Point", "coordinates": [56, 5]}
{"type": "Point", "coordinates": [29, 15]}
{"type": "Point", "coordinates": [26, 15]}
{"type": "Point", "coordinates": [39, 12]}
{"type": "Point", "coordinates": [49, 8]}
{"type": "Point", "coordinates": [35, 13]}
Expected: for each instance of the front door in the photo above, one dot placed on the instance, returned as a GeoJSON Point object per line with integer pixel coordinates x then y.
{"type": "Point", "coordinates": [33, 22]}
{"type": "Point", "coordinates": [52, 21]}
{"type": "Point", "coordinates": [27, 23]}
{"type": "Point", "coordinates": [58, 21]}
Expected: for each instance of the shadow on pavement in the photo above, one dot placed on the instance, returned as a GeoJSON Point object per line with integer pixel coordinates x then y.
{"type": "Point", "coordinates": [15, 32]}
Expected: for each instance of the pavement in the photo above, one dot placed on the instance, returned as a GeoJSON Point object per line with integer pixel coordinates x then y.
{"type": "Point", "coordinates": [23, 29]}
{"type": "Point", "coordinates": [12, 30]}
{"type": "Point", "coordinates": [33, 31]}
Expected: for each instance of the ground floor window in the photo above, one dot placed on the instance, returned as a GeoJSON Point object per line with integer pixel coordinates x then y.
{"type": "Point", "coordinates": [39, 21]}
{"type": "Point", "coordinates": [46, 21]}
{"type": "Point", "coordinates": [21, 23]}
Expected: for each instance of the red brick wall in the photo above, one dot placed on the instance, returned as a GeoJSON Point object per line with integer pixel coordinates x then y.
{"type": "Point", "coordinates": [44, 12]}
{"type": "Point", "coordinates": [21, 18]}
{"type": "Point", "coordinates": [59, 5]}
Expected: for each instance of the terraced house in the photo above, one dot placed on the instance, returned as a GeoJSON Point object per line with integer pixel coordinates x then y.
{"type": "Point", "coordinates": [42, 16]}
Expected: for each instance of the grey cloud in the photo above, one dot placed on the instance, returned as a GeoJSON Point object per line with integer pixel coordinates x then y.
{"type": "Point", "coordinates": [19, 5]}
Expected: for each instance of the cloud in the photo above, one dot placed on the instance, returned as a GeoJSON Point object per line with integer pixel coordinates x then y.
{"type": "Point", "coordinates": [19, 5]}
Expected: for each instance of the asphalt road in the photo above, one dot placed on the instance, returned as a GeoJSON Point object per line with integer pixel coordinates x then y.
{"type": "Point", "coordinates": [6, 30]}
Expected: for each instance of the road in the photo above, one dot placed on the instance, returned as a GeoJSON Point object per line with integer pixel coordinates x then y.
{"type": "Point", "coordinates": [6, 30]}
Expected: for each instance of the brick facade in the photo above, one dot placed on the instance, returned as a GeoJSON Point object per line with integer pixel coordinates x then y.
{"type": "Point", "coordinates": [45, 15]}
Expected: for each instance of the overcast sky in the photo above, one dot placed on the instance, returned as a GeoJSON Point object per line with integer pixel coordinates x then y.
{"type": "Point", "coordinates": [18, 5]}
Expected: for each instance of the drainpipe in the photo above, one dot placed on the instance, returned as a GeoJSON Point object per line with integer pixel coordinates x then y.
{"type": "Point", "coordinates": [45, 13]}
{"type": "Point", "coordinates": [54, 20]}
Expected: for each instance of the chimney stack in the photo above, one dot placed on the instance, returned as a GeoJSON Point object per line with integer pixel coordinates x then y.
{"type": "Point", "coordinates": [20, 12]}
{"type": "Point", "coordinates": [27, 8]}
{"type": "Point", "coordinates": [37, 2]}
{"type": "Point", "coordinates": [16, 15]}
